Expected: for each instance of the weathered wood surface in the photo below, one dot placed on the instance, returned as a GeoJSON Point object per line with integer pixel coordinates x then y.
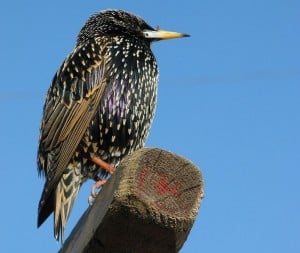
{"type": "Point", "coordinates": [148, 205]}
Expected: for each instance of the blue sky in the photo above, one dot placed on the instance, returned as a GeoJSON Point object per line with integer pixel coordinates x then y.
{"type": "Point", "coordinates": [228, 101]}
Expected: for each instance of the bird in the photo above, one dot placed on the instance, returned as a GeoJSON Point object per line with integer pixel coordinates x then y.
{"type": "Point", "coordinates": [99, 108]}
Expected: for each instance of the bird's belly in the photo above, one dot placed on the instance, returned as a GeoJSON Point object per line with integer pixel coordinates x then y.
{"type": "Point", "coordinates": [121, 130]}
{"type": "Point", "coordinates": [117, 129]}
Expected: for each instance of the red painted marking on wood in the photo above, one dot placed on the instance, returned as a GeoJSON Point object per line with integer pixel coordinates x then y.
{"type": "Point", "coordinates": [142, 178]}
{"type": "Point", "coordinates": [162, 187]}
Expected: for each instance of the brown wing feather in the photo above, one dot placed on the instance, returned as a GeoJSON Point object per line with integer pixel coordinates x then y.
{"type": "Point", "coordinates": [70, 106]}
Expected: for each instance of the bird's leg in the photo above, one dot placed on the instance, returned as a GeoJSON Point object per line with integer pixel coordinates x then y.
{"type": "Point", "coordinates": [104, 165]}
{"type": "Point", "coordinates": [99, 182]}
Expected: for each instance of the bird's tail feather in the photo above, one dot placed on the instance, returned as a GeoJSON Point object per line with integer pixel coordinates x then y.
{"type": "Point", "coordinates": [66, 193]}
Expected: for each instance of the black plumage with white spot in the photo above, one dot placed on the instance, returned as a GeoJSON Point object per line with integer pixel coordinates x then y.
{"type": "Point", "coordinates": [100, 104]}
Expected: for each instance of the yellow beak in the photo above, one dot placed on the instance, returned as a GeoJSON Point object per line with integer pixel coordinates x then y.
{"type": "Point", "coordinates": [163, 35]}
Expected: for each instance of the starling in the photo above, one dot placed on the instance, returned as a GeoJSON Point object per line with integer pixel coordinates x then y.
{"type": "Point", "coordinates": [99, 108]}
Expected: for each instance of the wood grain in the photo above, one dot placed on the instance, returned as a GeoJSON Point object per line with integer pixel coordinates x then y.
{"type": "Point", "coordinates": [148, 205]}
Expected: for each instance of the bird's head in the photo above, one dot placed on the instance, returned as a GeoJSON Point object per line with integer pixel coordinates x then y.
{"type": "Point", "coordinates": [122, 23]}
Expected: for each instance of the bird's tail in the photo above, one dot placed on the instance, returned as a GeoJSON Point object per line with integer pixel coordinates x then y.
{"type": "Point", "coordinates": [66, 193]}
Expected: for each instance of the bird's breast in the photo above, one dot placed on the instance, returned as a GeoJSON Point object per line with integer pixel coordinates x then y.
{"type": "Point", "coordinates": [127, 107]}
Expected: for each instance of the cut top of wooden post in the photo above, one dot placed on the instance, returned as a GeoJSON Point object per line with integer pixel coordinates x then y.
{"type": "Point", "coordinates": [167, 184]}
{"type": "Point", "coordinates": [148, 205]}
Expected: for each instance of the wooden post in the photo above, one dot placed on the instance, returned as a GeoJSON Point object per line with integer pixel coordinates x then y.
{"type": "Point", "coordinates": [148, 205]}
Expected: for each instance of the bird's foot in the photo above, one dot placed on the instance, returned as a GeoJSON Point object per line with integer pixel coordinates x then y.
{"type": "Point", "coordinates": [99, 183]}
{"type": "Point", "coordinates": [104, 165]}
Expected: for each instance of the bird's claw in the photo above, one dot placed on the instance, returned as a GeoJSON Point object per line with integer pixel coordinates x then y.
{"type": "Point", "coordinates": [91, 200]}
{"type": "Point", "coordinates": [111, 169]}
{"type": "Point", "coordinates": [94, 193]}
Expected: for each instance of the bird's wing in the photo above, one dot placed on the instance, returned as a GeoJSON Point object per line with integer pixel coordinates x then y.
{"type": "Point", "coordinates": [71, 103]}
